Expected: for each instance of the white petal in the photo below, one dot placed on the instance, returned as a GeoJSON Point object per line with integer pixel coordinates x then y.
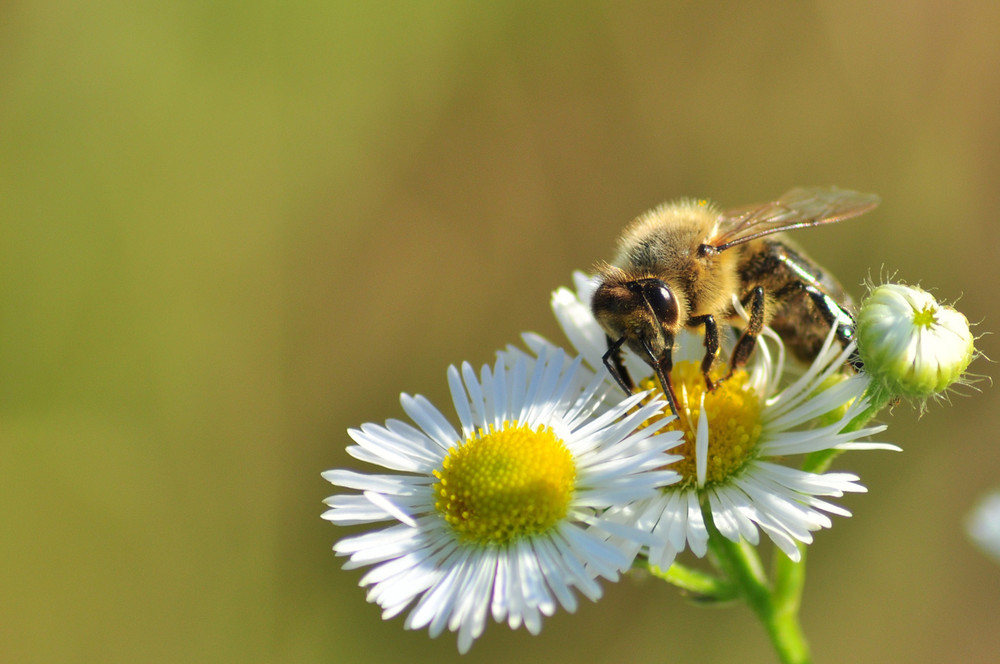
{"type": "Point", "coordinates": [396, 484]}
{"type": "Point", "coordinates": [476, 399]}
{"type": "Point", "coordinates": [429, 419]}
{"type": "Point", "coordinates": [390, 507]}
{"type": "Point", "coordinates": [461, 402]}
{"type": "Point", "coordinates": [578, 324]}
{"type": "Point", "coordinates": [701, 445]}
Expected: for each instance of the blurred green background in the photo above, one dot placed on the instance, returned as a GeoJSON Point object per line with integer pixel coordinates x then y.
{"type": "Point", "coordinates": [231, 230]}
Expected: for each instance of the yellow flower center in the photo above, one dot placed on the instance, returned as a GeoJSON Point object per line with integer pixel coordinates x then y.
{"type": "Point", "coordinates": [734, 421]}
{"type": "Point", "coordinates": [498, 486]}
{"type": "Point", "coordinates": [925, 317]}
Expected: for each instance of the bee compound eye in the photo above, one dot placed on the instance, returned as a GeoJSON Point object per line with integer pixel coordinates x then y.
{"type": "Point", "coordinates": [662, 302]}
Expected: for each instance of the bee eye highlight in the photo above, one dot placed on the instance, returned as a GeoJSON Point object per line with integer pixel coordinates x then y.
{"type": "Point", "coordinates": [661, 301]}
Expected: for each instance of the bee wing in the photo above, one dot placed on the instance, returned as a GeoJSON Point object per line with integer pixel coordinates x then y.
{"type": "Point", "coordinates": [798, 208]}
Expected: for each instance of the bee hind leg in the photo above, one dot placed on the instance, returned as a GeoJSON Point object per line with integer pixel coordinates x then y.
{"type": "Point", "coordinates": [837, 316]}
{"type": "Point", "coordinates": [748, 340]}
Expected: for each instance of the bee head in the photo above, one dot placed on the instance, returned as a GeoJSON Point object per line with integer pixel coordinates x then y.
{"type": "Point", "coordinates": [645, 311]}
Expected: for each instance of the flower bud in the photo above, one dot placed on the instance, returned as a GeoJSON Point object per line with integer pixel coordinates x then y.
{"type": "Point", "coordinates": [911, 345]}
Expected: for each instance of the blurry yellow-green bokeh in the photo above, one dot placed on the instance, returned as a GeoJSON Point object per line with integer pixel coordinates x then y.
{"type": "Point", "coordinates": [231, 230]}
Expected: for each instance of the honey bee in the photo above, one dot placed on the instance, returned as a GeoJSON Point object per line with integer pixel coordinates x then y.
{"type": "Point", "coordinates": [680, 264]}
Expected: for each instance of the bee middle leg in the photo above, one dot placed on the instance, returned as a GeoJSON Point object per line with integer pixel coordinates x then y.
{"type": "Point", "coordinates": [711, 346]}
{"type": "Point", "coordinates": [748, 340]}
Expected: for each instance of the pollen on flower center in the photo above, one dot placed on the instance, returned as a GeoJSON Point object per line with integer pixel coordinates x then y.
{"type": "Point", "coordinates": [733, 410]}
{"type": "Point", "coordinates": [495, 487]}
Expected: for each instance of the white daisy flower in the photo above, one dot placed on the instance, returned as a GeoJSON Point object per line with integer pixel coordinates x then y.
{"type": "Point", "coordinates": [499, 518]}
{"type": "Point", "coordinates": [735, 440]}
{"type": "Point", "coordinates": [983, 524]}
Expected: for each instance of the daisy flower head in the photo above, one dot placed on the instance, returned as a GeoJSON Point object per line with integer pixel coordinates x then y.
{"type": "Point", "coordinates": [910, 344]}
{"type": "Point", "coordinates": [497, 517]}
{"type": "Point", "coordinates": [736, 439]}
{"type": "Point", "coordinates": [983, 524]}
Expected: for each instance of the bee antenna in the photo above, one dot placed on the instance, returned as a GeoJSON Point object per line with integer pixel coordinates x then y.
{"type": "Point", "coordinates": [707, 250]}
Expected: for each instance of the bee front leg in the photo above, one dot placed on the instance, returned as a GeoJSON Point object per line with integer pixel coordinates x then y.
{"type": "Point", "coordinates": [613, 361]}
{"type": "Point", "coordinates": [662, 366]}
{"type": "Point", "coordinates": [711, 346]}
{"type": "Point", "coordinates": [748, 340]}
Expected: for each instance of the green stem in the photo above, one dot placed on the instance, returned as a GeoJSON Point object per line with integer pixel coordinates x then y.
{"type": "Point", "coordinates": [789, 581]}
{"type": "Point", "coordinates": [777, 609]}
{"type": "Point", "coordinates": [701, 586]}
{"type": "Point", "coordinates": [782, 617]}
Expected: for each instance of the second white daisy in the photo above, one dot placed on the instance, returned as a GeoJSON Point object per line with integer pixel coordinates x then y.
{"type": "Point", "coordinates": [736, 439]}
